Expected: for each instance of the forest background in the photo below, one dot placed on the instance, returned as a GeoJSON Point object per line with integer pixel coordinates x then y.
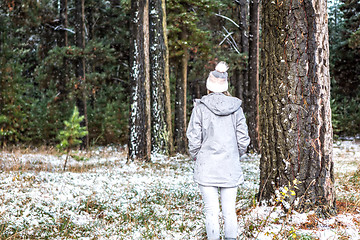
{"type": "Point", "coordinates": [44, 74]}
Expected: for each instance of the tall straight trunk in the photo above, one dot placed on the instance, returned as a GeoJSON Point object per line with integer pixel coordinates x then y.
{"type": "Point", "coordinates": [161, 132]}
{"type": "Point", "coordinates": [80, 67]}
{"type": "Point", "coordinates": [167, 83]}
{"type": "Point", "coordinates": [241, 75]}
{"type": "Point", "coordinates": [239, 83]}
{"type": "Point", "coordinates": [252, 96]}
{"type": "Point", "coordinates": [180, 101]}
{"type": "Point", "coordinates": [295, 117]}
{"type": "Point", "coordinates": [90, 19]}
{"type": "Point", "coordinates": [63, 42]}
{"type": "Point", "coordinates": [140, 114]}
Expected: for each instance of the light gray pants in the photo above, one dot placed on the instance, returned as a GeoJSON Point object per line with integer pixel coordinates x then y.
{"type": "Point", "coordinates": [210, 197]}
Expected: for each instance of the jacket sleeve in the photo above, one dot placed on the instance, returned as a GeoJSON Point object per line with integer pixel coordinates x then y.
{"type": "Point", "coordinates": [242, 135]}
{"type": "Point", "coordinates": [194, 132]}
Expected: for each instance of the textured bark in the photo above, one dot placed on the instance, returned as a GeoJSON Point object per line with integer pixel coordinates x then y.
{"type": "Point", "coordinates": [180, 101]}
{"type": "Point", "coordinates": [252, 92]}
{"type": "Point", "coordinates": [140, 131]}
{"type": "Point", "coordinates": [161, 133]}
{"type": "Point", "coordinates": [80, 68]}
{"type": "Point", "coordinates": [295, 116]}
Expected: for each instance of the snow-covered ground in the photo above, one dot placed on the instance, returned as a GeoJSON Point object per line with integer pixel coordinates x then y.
{"type": "Point", "coordinates": [104, 197]}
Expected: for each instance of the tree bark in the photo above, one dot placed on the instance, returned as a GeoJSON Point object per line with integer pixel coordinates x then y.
{"type": "Point", "coordinates": [241, 75]}
{"type": "Point", "coordinates": [140, 114]}
{"type": "Point", "coordinates": [80, 68]}
{"type": "Point", "coordinates": [161, 132]}
{"type": "Point", "coordinates": [295, 117]}
{"type": "Point", "coordinates": [63, 42]}
{"type": "Point", "coordinates": [180, 101]}
{"type": "Point", "coordinates": [252, 92]}
{"type": "Point", "coordinates": [64, 23]}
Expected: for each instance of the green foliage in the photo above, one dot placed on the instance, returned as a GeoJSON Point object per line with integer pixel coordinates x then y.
{"type": "Point", "coordinates": [33, 66]}
{"type": "Point", "coordinates": [346, 115]}
{"type": "Point", "coordinates": [12, 87]}
{"type": "Point", "coordinates": [345, 67]}
{"type": "Point", "coordinates": [108, 115]}
{"type": "Point", "coordinates": [345, 46]}
{"type": "Point", "coordinates": [184, 26]}
{"type": "Point", "coordinates": [73, 132]}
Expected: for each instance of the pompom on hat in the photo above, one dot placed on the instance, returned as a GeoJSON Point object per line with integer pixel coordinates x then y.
{"type": "Point", "coordinates": [217, 80]}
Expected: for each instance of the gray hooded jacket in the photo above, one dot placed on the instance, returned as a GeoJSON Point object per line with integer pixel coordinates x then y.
{"type": "Point", "coordinates": [218, 136]}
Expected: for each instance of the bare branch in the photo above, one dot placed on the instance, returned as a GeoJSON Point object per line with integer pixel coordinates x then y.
{"type": "Point", "coordinates": [219, 15]}
{"type": "Point", "coordinates": [231, 43]}
{"type": "Point", "coordinates": [232, 39]}
{"type": "Point", "coordinates": [225, 38]}
{"type": "Point", "coordinates": [60, 27]}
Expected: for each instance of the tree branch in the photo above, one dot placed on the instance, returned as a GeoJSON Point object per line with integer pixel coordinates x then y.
{"type": "Point", "coordinates": [222, 16]}
{"type": "Point", "coordinates": [225, 38]}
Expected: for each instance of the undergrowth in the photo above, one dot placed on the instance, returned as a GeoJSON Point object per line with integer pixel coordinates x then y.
{"type": "Point", "coordinates": [112, 199]}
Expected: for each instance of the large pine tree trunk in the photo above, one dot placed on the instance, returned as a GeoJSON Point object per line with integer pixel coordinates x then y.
{"type": "Point", "coordinates": [80, 67]}
{"type": "Point", "coordinates": [161, 132]}
{"type": "Point", "coordinates": [295, 117]}
{"type": "Point", "coordinates": [180, 101]}
{"type": "Point", "coordinates": [140, 131]}
{"type": "Point", "coordinates": [252, 92]}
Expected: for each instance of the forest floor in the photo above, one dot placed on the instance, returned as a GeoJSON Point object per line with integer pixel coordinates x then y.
{"type": "Point", "coordinates": [104, 197]}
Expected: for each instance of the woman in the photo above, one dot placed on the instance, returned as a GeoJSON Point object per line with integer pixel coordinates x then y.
{"type": "Point", "coordinates": [218, 136]}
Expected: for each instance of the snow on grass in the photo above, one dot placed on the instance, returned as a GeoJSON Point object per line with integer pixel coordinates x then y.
{"type": "Point", "coordinates": [105, 197]}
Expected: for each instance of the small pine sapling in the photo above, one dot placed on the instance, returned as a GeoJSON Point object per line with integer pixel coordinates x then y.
{"type": "Point", "coordinates": [72, 133]}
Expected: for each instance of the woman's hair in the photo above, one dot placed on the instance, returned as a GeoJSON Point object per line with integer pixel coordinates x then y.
{"type": "Point", "coordinates": [227, 93]}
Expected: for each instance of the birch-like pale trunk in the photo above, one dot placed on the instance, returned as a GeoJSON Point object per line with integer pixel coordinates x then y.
{"type": "Point", "coordinates": [140, 114]}
{"type": "Point", "coordinates": [295, 115]}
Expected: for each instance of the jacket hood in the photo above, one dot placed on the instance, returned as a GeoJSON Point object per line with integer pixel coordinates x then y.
{"type": "Point", "coordinates": [221, 104]}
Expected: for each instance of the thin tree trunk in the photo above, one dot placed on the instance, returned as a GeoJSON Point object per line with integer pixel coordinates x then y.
{"type": "Point", "coordinates": [180, 101]}
{"type": "Point", "coordinates": [63, 42]}
{"type": "Point", "coordinates": [64, 22]}
{"type": "Point", "coordinates": [252, 96]}
{"type": "Point", "coordinates": [80, 68]}
{"type": "Point", "coordinates": [239, 84]}
{"type": "Point", "coordinates": [242, 74]}
{"type": "Point", "coordinates": [167, 83]}
{"type": "Point", "coordinates": [67, 157]}
{"type": "Point", "coordinates": [295, 114]}
{"type": "Point", "coordinates": [140, 114]}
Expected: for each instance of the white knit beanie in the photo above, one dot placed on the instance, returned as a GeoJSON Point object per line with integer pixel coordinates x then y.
{"type": "Point", "coordinates": [217, 80]}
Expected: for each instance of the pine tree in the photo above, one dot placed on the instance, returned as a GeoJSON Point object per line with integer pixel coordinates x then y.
{"type": "Point", "coordinates": [72, 134]}
{"type": "Point", "coordinates": [12, 85]}
{"type": "Point", "coordinates": [251, 106]}
{"type": "Point", "coordinates": [295, 115]}
{"type": "Point", "coordinates": [80, 66]}
{"type": "Point", "coordinates": [346, 50]}
{"type": "Point", "coordinates": [161, 133]}
{"type": "Point", "coordinates": [241, 75]}
{"type": "Point", "coordinates": [140, 130]}
{"type": "Point", "coordinates": [186, 35]}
